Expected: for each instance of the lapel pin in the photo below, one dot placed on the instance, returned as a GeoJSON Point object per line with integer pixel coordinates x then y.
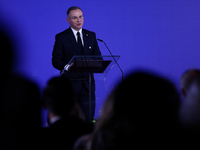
{"type": "Point", "coordinates": [86, 34]}
{"type": "Point", "coordinates": [89, 47]}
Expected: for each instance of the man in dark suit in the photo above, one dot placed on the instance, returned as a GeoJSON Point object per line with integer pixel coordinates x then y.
{"type": "Point", "coordinates": [65, 117]}
{"type": "Point", "coordinates": [77, 41]}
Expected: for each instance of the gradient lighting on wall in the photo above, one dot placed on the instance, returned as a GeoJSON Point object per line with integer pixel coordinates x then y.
{"type": "Point", "coordinates": [162, 36]}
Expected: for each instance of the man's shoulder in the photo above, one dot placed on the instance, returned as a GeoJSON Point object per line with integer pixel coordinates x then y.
{"type": "Point", "coordinates": [87, 31]}
{"type": "Point", "coordinates": [63, 32]}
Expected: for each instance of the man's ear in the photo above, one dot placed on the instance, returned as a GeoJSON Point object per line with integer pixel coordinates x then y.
{"type": "Point", "coordinates": [67, 19]}
{"type": "Point", "coordinates": [183, 92]}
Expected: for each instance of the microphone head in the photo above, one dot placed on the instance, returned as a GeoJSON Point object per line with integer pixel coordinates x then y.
{"type": "Point", "coordinates": [100, 40]}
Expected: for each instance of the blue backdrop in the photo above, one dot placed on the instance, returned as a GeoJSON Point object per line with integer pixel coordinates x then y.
{"type": "Point", "coordinates": [158, 35]}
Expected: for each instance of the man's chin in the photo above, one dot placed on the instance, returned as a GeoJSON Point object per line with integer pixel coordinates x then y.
{"type": "Point", "coordinates": [79, 26]}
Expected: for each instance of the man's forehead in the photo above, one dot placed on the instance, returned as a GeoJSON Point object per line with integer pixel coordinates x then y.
{"type": "Point", "coordinates": [76, 12]}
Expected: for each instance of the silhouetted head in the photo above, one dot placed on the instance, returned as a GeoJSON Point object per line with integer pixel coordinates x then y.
{"type": "Point", "coordinates": [188, 77]}
{"type": "Point", "coordinates": [58, 96]}
{"type": "Point", "coordinates": [143, 99]}
{"type": "Point", "coordinates": [6, 49]}
{"type": "Point", "coordinates": [142, 105]}
{"type": "Point", "coordinates": [190, 112]}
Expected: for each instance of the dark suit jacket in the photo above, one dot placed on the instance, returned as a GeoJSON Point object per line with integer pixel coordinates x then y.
{"type": "Point", "coordinates": [65, 48]}
{"type": "Point", "coordinates": [63, 133]}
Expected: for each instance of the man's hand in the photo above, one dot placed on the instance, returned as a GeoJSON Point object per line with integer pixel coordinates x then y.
{"type": "Point", "coordinates": [68, 66]}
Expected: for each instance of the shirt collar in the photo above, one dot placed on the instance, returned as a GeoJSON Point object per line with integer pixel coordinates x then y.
{"type": "Point", "coordinates": [75, 32]}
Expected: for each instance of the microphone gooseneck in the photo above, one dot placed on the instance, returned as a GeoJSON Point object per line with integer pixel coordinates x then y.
{"type": "Point", "coordinates": [113, 58]}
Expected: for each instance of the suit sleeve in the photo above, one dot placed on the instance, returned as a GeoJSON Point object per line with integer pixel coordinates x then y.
{"type": "Point", "coordinates": [96, 47]}
{"type": "Point", "coordinates": [58, 54]}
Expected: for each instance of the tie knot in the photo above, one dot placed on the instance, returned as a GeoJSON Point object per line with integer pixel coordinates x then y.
{"type": "Point", "coordinates": [78, 33]}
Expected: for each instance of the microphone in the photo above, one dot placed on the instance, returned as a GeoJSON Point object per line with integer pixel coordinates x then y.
{"type": "Point", "coordinates": [100, 40]}
{"type": "Point", "coordinates": [113, 58]}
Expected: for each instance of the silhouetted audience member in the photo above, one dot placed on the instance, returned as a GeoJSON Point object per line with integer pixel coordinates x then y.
{"type": "Point", "coordinates": [190, 109]}
{"type": "Point", "coordinates": [20, 114]}
{"type": "Point", "coordinates": [142, 111]}
{"type": "Point", "coordinates": [20, 104]}
{"type": "Point", "coordinates": [188, 77]}
{"type": "Point", "coordinates": [65, 117]}
{"type": "Point", "coordinates": [6, 47]}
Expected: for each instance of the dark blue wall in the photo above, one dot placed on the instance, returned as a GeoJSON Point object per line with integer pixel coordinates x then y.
{"type": "Point", "coordinates": [158, 35]}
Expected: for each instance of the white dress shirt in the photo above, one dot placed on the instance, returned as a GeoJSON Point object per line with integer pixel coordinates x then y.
{"type": "Point", "coordinates": [76, 36]}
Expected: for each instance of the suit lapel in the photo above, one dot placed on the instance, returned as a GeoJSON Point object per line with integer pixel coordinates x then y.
{"type": "Point", "coordinates": [73, 40]}
{"type": "Point", "coordinates": [86, 40]}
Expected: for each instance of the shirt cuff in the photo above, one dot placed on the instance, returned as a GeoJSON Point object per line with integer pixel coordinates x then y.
{"type": "Point", "coordinates": [66, 67]}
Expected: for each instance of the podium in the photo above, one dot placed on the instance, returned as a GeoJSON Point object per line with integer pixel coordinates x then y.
{"type": "Point", "coordinates": [91, 64]}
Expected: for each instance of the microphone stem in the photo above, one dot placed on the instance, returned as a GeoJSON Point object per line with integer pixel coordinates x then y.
{"type": "Point", "coordinates": [114, 60]}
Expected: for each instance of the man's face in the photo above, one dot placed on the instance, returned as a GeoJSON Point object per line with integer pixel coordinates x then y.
{"type": "Point", "coordinates": [75, 19]}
